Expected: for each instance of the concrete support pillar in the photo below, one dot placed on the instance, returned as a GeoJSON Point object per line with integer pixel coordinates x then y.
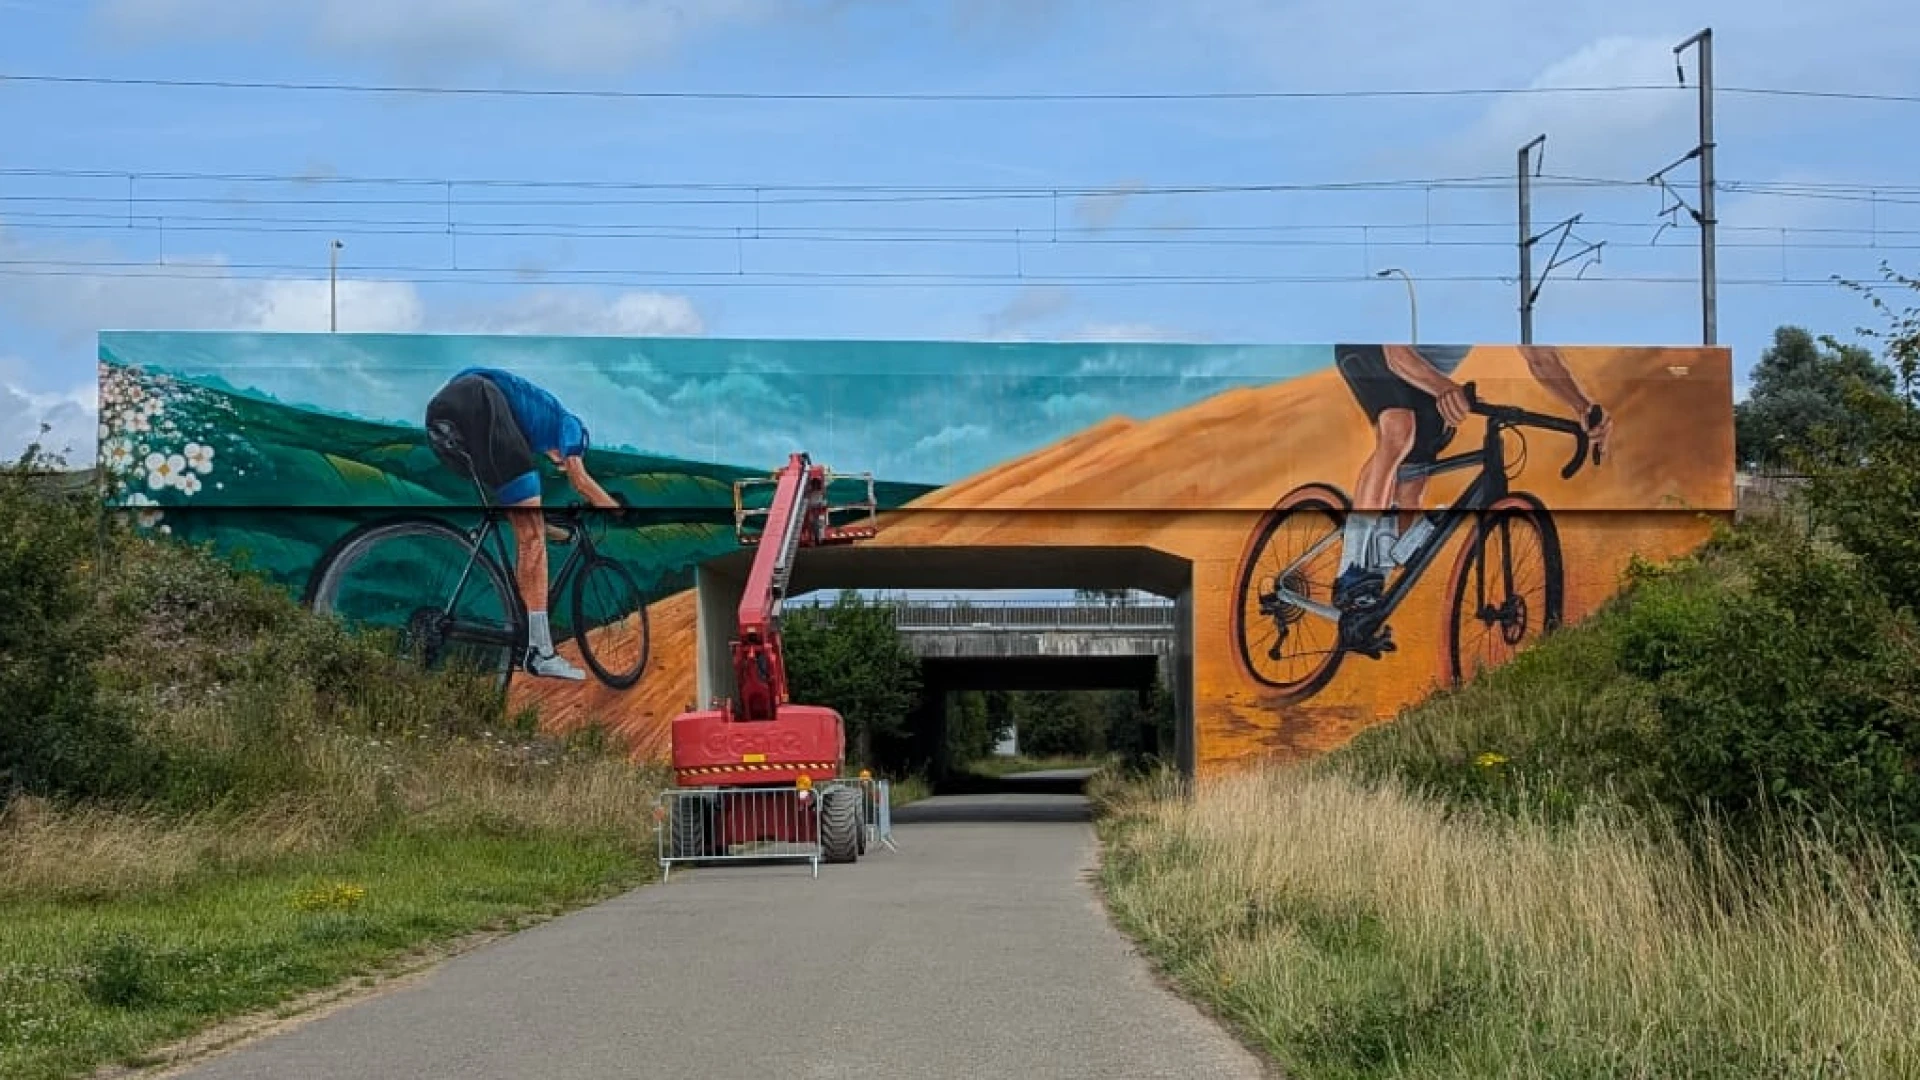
{"type": "Point", "coordinates": [716, 615]}
{"type": "Point", "coordinates": [1186, 752]}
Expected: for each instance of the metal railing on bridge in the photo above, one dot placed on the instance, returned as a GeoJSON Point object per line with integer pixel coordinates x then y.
{"type": "Point", "coordinates": [1027, 615]}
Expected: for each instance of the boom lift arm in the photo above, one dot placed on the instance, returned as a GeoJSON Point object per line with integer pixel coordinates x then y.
{"type": "Point", "coordinates": [800, 516]}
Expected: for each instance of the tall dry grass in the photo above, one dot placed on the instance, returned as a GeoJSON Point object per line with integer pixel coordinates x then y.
{"type": "Point", "coordinates": [1357, 930]}
{"type": "Point", "coordinates": [354, 786]}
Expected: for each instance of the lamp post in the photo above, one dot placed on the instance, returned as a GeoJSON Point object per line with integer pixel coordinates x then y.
{"type": "Point", "coordinates": [1413, 306]}
{"type": "Point", "coordinates": [333, 286]}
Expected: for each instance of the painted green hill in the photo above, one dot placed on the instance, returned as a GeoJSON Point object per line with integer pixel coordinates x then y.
{"type": "Point", "coordinates": [274, 486]}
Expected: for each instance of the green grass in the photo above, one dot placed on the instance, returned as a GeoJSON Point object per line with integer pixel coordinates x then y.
{"type": "Point", "coordinates": [908, 790]}
{"type": "Point", "coordinates": [997, 766]}
{"type": "Point", "coordinates": [87, 984]}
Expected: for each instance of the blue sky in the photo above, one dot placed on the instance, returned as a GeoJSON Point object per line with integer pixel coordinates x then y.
{"type": "Point", "coordinates": [262, 265]}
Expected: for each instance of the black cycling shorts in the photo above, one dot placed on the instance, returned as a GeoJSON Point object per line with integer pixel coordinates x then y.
{"type": "Point", "coordinates": [1378, 388]}
{"type": "Point", "coordinates": [473, 433]}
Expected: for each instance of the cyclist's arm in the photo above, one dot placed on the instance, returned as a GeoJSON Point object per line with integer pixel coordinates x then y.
{"type": "Point", "coordinates": [584, 483]}
{"type": "Point", "coordinates": [1551, 372]}
{"type": "Point", "coordinates": [1409, 365]}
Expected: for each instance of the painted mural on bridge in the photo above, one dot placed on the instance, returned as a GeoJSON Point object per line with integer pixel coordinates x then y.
{"type": "Point", "coordinates": [1365, 522]}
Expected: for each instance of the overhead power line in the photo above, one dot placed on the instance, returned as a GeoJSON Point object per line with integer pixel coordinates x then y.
{"type": "Point", "coordinates": [921, 96]}
{"type": "Point", "coordinates": [1375, 235]}
{"type": "Point", "coordinates": [688, 279]}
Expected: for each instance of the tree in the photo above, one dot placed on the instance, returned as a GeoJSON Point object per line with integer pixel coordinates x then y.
{"type": "Point", "coordinates": [1800, 398]}
{"type": "Point", "coordinates": [849, 656]}
{"type": "Point", "coordinates": [974, 726]}
{"type": "Point", "coordinates": [1864, 483]}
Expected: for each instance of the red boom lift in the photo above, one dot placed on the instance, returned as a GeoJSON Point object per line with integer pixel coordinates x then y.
{"type": "Point", "coordinates": [758, 739]}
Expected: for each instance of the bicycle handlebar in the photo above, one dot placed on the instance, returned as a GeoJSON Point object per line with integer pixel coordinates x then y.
{"type": "Point", "coordinates": [1515, 417]}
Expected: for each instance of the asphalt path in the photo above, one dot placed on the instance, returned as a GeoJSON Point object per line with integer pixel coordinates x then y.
{"type": "Point", "coordinates": [978, 949]}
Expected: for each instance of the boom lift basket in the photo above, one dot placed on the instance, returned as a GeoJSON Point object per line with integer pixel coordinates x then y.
{"type": "Point", "coordinates": [838, 517]}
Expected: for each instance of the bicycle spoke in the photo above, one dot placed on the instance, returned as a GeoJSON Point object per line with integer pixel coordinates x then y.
{"type": "Point", "coordinates": [1282, 641]}
{"type": "Point", "coordinates": [1510, 602]}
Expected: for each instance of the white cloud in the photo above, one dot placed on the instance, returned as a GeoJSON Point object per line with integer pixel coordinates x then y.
{"type": "Point", "coordinates": [1100, 211]}
{"type": "Point", "coordinates": [69, 416]}
{"type": "Point", "coordinates": [199, 294]}
{"type": "Point", "coordinates": [553, 36]}
{"type": "Point", "coordinates": [1613, 134]}
{"type": "Point", "coordinates": [952, 435]}
{"type": "Point", "coordinates": [1033, 304]}
{"type": "Point", "coordinates": [552, 311]}
{"type": "Point", "coordinates": [1124, 332]}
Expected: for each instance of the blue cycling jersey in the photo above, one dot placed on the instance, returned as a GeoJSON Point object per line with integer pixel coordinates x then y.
{"type": "Point", "coordinates": [1444, 358]}
{"type": "Point", "coordinates": [546, 424]}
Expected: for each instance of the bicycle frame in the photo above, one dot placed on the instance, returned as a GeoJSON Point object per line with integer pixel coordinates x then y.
{"type": "Point", "coordinates": [1487, 488]}
{"type": "Point", "coordinates": [579, 554]}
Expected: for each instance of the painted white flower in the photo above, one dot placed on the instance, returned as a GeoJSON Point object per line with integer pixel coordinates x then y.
{"type": "Point", "coordinates": [119, 455]}
{"type": "Point", "coordinates": [199, 458]}
{"type": "Point", "coordinates": [188, 483]}
{"type": "Point", "coordinates": [161, 471]}
{"type": "Point", "coordinates": [139, 498]}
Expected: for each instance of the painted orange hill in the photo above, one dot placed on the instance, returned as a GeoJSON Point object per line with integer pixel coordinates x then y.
{"type": "Point", "coordinates": [1194, 482]}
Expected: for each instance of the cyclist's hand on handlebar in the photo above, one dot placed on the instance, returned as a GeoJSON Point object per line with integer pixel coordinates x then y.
{"type": "Point", "coordinates": [1453, 404]}
{"type": "Point", "coordinates": [1600, 435]}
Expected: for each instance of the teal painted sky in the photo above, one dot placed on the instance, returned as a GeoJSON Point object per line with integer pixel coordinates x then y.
{"type": "Point", "coordinates": [924, 412]}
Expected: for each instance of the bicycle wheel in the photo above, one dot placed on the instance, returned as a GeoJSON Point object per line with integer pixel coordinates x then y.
{"type": "Point", "coordinates": [1307, 521]}
{"type": "Point", "coordinates": [610, 620]}
{"type": "Point", "coordinates": [1506, 587]}
{"type": "Point", "coordinates": [405, 577]}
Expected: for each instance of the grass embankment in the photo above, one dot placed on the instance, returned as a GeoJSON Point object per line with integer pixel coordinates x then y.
{"type": "Point", "coordinates": [999, 766]}
{"type": "Point", "coordinates": [219, 804]}
{"type": "Point", "coordinates": [1511, 880]}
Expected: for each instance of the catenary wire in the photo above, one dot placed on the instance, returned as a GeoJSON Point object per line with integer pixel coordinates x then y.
{"type": "Point", "coordinates": [934, 96]}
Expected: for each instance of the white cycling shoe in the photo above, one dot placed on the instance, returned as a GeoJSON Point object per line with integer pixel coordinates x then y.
{"type": "Point", "coordinates": [553, 666]}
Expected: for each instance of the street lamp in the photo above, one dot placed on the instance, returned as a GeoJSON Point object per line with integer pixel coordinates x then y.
{"type": "Point", "coordinates": [1413, 307]}
{"type": "Point", "coordinates": [333, 286]}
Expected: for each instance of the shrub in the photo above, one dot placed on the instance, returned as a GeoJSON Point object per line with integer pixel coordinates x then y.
{"type": "Point", "coordinates": [57, 734]}
{"type": "Point", "coordinates": [1795, 691]}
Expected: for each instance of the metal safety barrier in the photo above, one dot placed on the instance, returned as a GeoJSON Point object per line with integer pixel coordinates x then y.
{"type": "Point", "coordinates": [1031, 616]}
{"type": "Point", "coordinates": [829, 821]}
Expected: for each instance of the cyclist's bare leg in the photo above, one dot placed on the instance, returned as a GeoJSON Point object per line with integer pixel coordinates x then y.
{"type": "Point", "coordinates": [530, 573]}
{"type": "Point", "coordinates": [1373, 493]}
{"type": "Point", "coordinates": [1406, 495]}
{"type": "Point", "coordinates": [531, 554]}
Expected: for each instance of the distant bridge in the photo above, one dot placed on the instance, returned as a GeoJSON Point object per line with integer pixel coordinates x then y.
{"type": "Point", "coordinates": [1015, 644]}
{"type": "Point", "coordinates": [1027, 616]}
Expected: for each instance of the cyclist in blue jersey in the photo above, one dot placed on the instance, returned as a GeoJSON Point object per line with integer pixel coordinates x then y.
{"type": "Point", "coordinates": [1410, 398]}
{"type": "Point", "coordinates": [493, 425]}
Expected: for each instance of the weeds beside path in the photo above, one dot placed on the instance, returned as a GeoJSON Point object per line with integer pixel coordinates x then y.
{"type": "Point", "coordinates": [1361, 932]}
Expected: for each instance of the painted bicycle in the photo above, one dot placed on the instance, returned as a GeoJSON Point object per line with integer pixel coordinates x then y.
{"type": "Point", "coordinates": [1507, 582]}
{"type": "Point", "coordinates": [449, 593]}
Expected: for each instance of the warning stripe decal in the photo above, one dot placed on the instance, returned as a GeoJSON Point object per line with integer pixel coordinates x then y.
{"type": "Point", "coordinates": [710, 770]}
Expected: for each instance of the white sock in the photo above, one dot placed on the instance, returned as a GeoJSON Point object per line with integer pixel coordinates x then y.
{"type": "Point", "coordinates": [537, 633]}
{"type": "Point", "coordinates": [1356, 546]}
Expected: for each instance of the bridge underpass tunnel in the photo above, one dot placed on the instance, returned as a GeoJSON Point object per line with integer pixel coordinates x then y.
{"type": "Point", "coordinates": [1112, 703]}
{"type": "Point", "coordinates": [1139, 652]}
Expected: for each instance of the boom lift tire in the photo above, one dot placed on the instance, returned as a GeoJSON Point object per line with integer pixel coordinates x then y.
{"type": "Point", "coordinates": [840, 825]}
{"type": "Point", "coordinates": [693, 821]}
